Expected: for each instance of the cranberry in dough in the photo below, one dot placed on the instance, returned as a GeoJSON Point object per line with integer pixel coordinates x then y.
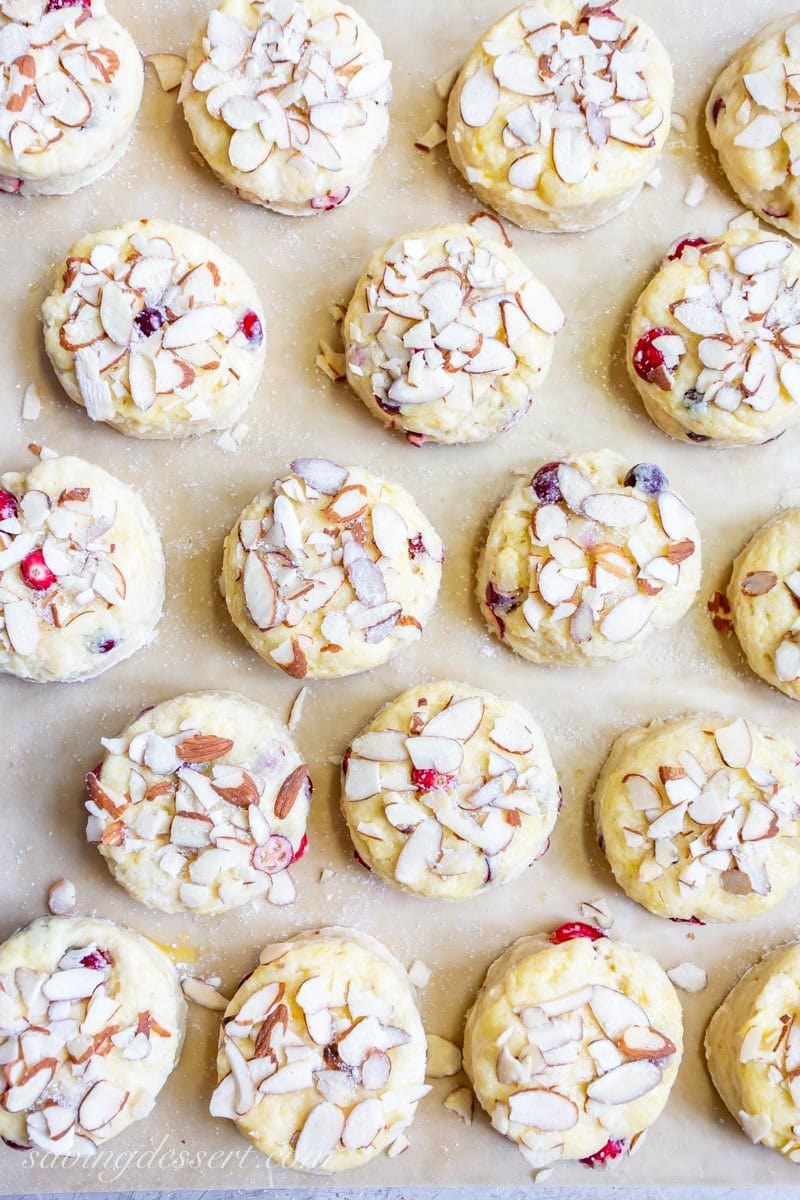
{"type": "Point", "coordinates": [154, 330]}
{"type": "Point", "coordinates": [449, 791]}
{"type": "Point", "coordinates": [322, 1052]}
{"type": "Point", "coordinates": [560, 113]}
{"type": "Point", "coordinates": [753, 1051]}
{"type": "Point", "coordinates": [287, 101]}
{"type": "Point", "coordinates": [92, 1020]}
{"type": "Point", "coordinates": [448, 334]}
{"type": "Point", "coordinates": [700, 818]}
{"type": "Point", "coordinates": [201, 805]}
{"type": "Point", "coordinates": [71, 83]}
{"type": "Point", "coordinates": [572, 1045]}
{"type": "Point", "coordinates": [81, 572]}
{"type": "Point", "coordinates": [714, 340]}
{"type": "Point", "coordinates": [754, 124]}
{"type": "Point", "coordinates": [588, 559]}
{"type": "Point", "coordinates": [764, 595]}
{"type": "Point", "coordinates": [332, 571]}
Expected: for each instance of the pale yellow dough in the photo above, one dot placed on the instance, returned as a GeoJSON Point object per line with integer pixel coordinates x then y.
{"type": "Point", "coordinates": [187, 380]}
{"type": "Point", "coordinates": [764, 594]}
{"type": "Point", "coordinates": [508, 1038]}
{"type": "Point", "coordinates": [110, 1049]}
{"type": "Point", "coordinates": [558, 173]}
{"type": "Point", "coordinates": [460, 288]}
{"type": "Point", "coordinates": [590, 576]}
{"type": "Point", "coordinates": [482, 823]}
{"type": "Point", "coordinates": [752, 120]}
{"type": "Point", "coordinates": [753, 1050]}
{"type": "Point", "coordinates": [735, 852]}
{"type": "Point", "coordinates": [362, 1102]}
{"type": "Point", "coordinates": [238, 842]}
{"type": "Point", "coordinates": [104, 605]}
{"type": "Point", "coordinates": [331, 572]}
{"type": "Point", "coordinates": [729, 377]}
{"type": "Point", "coordinates": [313, 148]}
{"type": "Point", "coordinates": [70, 134]}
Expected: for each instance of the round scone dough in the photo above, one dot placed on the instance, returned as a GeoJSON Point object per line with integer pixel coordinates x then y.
{"type": "Point", "coordinates": [448, 334]}
{"type": "Point", "coordinates": [152, 329]}
{"type": "Point", "coordinates": [92, 1019]}
{"type": "Point", "coordinates": [587, 560]}
{"type": "Point", "coordinates": [450, 790]}
{"type": "Point", "coordinates": [331, 572]}
{"type": "Point", "coordinates": [201, 805]}
{"type": "Point", "coordinates": [700, 818]}
{"type": "Point", "coordinates": [754, 124]}
{"type": "Point", "coordinates": [560, 113]}
{"type": "Point", "coordinates": [714, 340]}
{"type": "Point", "coordinates": [753, 1051]}
{"type": "Point", "coordinates": [322, 1052]}
{"type": "Point", "coordinates": [572, 1046]}
{"type": "Point", "coordinates": [81, 571]}
{"type": "Point", "coordinates": [764, 595]}
{"type": "Point", "coordinates": [71, 82]}
{"type": "Point", "coordinates": [287, 101]}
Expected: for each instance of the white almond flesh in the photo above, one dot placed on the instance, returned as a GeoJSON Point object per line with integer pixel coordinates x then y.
{"type": "Point", "coordinates": [203, 994]}
{"type": "Point", "coordinates": [319, 1136]}
{"type": "Point", "coordinates": [363, 1124]}
{"type": "Point", "coordinates": [101, 1105]}
{"type": "Point", "coordinates": [459, 720]}
{"type": "Point", "coordinates": [543, 1109]}
{"type": "Point", "coordinates": [260, 593]}
{"type": "Point", "coordinates": [381, 745]}
{"type": "Point", "coordinates": [479, 99]}
{"type": "Point", "coordinates": [169, 69]}
{"type": "Point", "coordinates": [362, 779]}
{"type": "Point", "coordinates": [444, 1057]}
{"type": "Point", "coordinates": [735, 743]}
{"type": "Point", "coordinates": [626, 1083]}
{"type": "Point", "coordinates": [615, 1012]}
{"type": "Point", "coordinates": [442, 754]}
{"type": "Point", "coordinates": [22, 626]}
{"type": "Point", "coordinates": [462, 1103]}
{"type": "Point", "coordinates": [627, 619]}
{"type": "Point", "coordinates": [688, 977]}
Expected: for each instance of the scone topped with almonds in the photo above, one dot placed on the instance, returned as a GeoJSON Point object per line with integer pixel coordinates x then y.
{"type": "Point", "coordinates": [583, 562]}
{"type": "Point", "coordinates": [560, 113]}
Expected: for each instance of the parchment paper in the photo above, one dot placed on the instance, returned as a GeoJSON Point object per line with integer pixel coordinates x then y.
{"type": "Point", "coordinates": [195, 491]}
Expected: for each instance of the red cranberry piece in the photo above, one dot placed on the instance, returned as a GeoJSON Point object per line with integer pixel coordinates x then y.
{"type": "Point", "coordinates": [648, 478]}
{"type": "Point", "coordinates": [250, 326]}
{"type": "Point", "coordinates": [360, 861]}
{"type": "Point", "coordinates": [717, 107]}
{"type": "Point", "coordinates": [648, 361]}
{"type": "Point", "coordinates": [330, 200]}
{"type": "Point", "coordinates": [678, 249]}
{"type": "Point", "coordinates": [545, 483]}
{"type": "Point", "coordinates": [500, 602]}
{"type": "Point", "coordinates": [103, 645]}
{"type": "Point", "coordinates": [698, 437]}
{"type": "Point", "coordinates": [8, 505]}
{"type": "Point", "coordinates": [96, 960]}
{"type": "Point", "coordinates": [149, 321]}
{"type": "Point", "coordinates": [687, 920]}
{"type": "Point", "coordinates": [36, 573]}
{"type": "Point", "coordinates": [275, 855]}
{"type": "Point", "coordinates": [54, 5]}
{"type": "Point", "coordinates": [416, 546]}
{"type": "Point", "coordinates": [14, 1145]}
{"type": "Point", "coordinates": [388, 406]}
{"type": "Point", "coordinates": [426, 779]}
{"type": "Point", "coordinates": [575, 929]}
{"type": "Point", "coordinates": [301, 849]}
{"type": "Point", "coordinates": [613, 1148]}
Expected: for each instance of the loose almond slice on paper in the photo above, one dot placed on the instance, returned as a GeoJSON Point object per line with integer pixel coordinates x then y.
{"type": "Point", "coordinates": [444, 1057]}
{"type": "Point", "coordinates": [462, 1103]}
{"type": "Point", "coordinates": [169, 69]}
{"type": "Point", "coordinates": [203, 994]}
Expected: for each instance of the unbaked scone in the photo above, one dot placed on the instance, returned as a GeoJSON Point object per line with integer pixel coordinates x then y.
{"type": "Point", "coordinates": [201, 805]}
{"type": "Point", "coordinates": [700, 818]}
{"type": "Point", "coordinates": [91, 1025]}
{"type": "Point", "coordinates": [560, 113]}
{"type": "Point", "coordinates": [448, 334]}
{"type": "Point", "coordinates": [287, 101]}
{"type": "Point", "coordinates": [152, 329]}
{"type": "Point", "coordinates": [449, 790]}
{"type": "Point", "coordinates": [81, 571]}
{"type": "Point", "coordinates": [764, 595]}
{"type": "Point", "coordinates": [71, 82]}
{"type": "Point", "coordinates": [586, 560]}
{"type": "Point", "coordinates": [322, 1052]}
{"type": "Point", "coordinates": [332, 571]}
{"type": "Point", "coordinates": [753, 1051]}
{"type": "Point", "coordinates": [714, 340]}
{"type": "Point", "coordinates": [754, 125]}
{"type": "Point", "coordinates": [573, 1044]}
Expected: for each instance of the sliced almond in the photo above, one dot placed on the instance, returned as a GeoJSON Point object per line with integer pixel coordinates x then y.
{"type": "Point", "coordinates": [479, 98]}
{"type": "Point", "coordinates": [542, 1108]}
{"type": "Point", "coordinates": [625, 1083]}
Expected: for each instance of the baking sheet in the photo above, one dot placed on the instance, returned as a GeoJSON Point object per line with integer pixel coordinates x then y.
{"type": "Point", "coordinates": [195, 491]}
